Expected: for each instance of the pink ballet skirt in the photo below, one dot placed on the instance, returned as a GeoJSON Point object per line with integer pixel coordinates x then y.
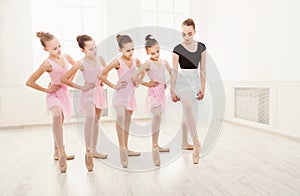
{"type": "Point", "coordinates": [60, 97]}
{"type": "Point", "coordinates": [156, 95]}
{"type": "Point", "coordinates": [95, 95]}
{"type": "Point", "coordinates": [125, 96]}
{"type": "Point", "coordinates": [156, 98]}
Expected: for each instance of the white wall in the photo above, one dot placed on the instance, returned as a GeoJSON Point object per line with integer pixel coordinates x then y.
{"type": "Point", "coordinates": [18, 105]}
{"type": "Point", "coordinates": [259, 40]}
{"type": "Point", "coordinates": [122, 15]}
{"type": "Point", "coordinates": [256, 43]}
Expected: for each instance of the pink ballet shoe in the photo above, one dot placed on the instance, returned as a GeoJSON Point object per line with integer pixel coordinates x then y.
{"type": "Point", "coordinates": [62, 160]}
{"type": "Point", "coordinates": [98, 154]}
{"type": "Point", "coordinates": [123, 157]}
{"type": "Point", "coordinates": [161, 149]}
{"type": "Point", "coordinates": [196, 153]}
{"type": "Point", "coordinates": [56, 157]}
{"type": "Point", "coordinates": [133, 153]}
{"type": "Point", "coordinates": [89, 162]}
{"type": "Point", "coordinates": [187, 147]}
{"type": "Point", "coordinates": [156, 156]}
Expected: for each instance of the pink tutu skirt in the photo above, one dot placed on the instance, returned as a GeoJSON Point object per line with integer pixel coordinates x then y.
{"type": "Point", "coordinates": [95, 96]}
{"type": "Point", "coordinates": [62, 99]}
{"type": "Point", "coordinates": [156, 98]}
{"type": "Point", "coordinates": [125, 97]}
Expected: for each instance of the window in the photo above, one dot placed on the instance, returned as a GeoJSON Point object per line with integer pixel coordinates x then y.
{"type": "Point", "coordinates": [66, 19]}
{"type": "Point", "coordinates": [166, 13]}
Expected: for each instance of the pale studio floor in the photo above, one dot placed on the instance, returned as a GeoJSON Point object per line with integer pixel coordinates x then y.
{"type": "Point", "coordinates": [243, 162]}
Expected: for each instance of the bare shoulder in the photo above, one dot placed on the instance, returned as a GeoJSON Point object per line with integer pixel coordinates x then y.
{"type": "Point", "coordinates": [46, 66]}
{"type": "Point", "coordinates": [146, 65]}
{"type": "Point", "coordinates": [102, 61]}
{"type": "Point", "coordinates": [68, 57]}
{"type": "Point", "coordinates": [100, 58]}
{"type": "Point", "coordinates": [79, 65]}
{"type": "Point", "coordinates": [114, 64]}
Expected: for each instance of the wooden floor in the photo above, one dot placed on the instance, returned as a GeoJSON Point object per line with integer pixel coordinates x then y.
{"type": "Point", "coordinates": [243, 162]}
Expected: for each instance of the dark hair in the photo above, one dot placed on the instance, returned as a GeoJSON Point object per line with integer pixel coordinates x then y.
{"type": "Point", "coordinates": [189, 22]}
{"type": "Point", "coordinates": [44, 37]}
{"type": "Point", "coordinates": [123, 39]}
{"type": "Point", "coordinates": [81, 39]}
{"type": "Point", "coordinates": [150, 41]}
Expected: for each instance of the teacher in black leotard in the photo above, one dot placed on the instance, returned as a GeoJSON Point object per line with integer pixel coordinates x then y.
{"type": "Point", "coordinates": [188, 84]}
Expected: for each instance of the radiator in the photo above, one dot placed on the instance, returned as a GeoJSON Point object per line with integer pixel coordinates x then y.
{"type": "Point", "coordinates": [252, 104]}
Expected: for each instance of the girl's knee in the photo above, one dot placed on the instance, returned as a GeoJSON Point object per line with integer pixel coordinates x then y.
{"type": "Point", "coordinates": [90, 117]}
{"type": "Point", "coordinates": [156, 116]}
{"type": "Point", "coordinates": [120, 117]}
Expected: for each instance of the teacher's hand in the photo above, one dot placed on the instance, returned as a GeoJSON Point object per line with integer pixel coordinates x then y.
{"type": "Point", "coordinates": [175, 98]}
{"type": "Point", "coordinates": [200, 94]}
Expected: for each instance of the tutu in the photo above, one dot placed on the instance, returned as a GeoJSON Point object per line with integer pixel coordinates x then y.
{"type": "Point", "coordinates": [62, 99]}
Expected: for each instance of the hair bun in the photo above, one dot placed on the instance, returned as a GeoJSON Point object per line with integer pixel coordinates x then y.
{"type": "Point", "coordinates": [118, 37]}
{"type": "Point", "coordinates": [40, 34]}
{"type": "Point", "coordinates": [149, 37]}
{"type": "Point", "coordinates": [78, 38]}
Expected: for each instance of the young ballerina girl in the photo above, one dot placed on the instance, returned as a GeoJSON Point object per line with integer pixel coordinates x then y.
{"type": "Point", "coordinates": [92, 99]}
{"type": "Point", "coordinates": [124, 101]}
{"type": "Point", "coordinates": [57, 99]}
{"type": "Point", "coordinates": [155, 102]}
{"type": "Point", "coordinates": [187, 84]}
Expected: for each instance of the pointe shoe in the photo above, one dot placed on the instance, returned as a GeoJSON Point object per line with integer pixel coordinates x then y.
{"type": "Point", "coordinates": [123, 157]}
{"type": "Point", "coordinates": [133, 153]}
{"type": "Point", "coordinates": [56, 157]}
{"type": "Point", "coordinates": [196, 154]}
{"type": "Point", "coordinates": [156, 156]}
{"type": "Point", "coordinates": [161, 149]}
{"type": "Point", "coordinates": [62, 160]}
{"type": "Point", "coordinates": [98, 154]}
{"type": "Point", "coordinates": [89, 162]}
{"type": "Point", "coordinates": [187, 147]}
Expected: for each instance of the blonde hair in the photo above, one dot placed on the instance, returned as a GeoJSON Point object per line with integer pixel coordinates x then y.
{"type": "Point", "coordinates": [44, 37]}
